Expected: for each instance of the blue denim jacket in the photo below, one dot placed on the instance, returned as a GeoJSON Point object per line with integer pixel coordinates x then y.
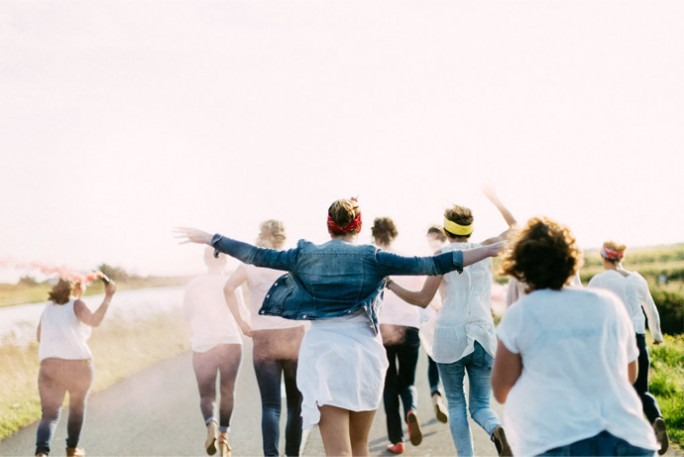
{"type": "Point", "coordinates": [332, 279]}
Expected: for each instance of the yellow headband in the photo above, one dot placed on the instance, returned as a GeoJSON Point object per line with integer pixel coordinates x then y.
{"type": "Point", "coordinates": [457, 229]}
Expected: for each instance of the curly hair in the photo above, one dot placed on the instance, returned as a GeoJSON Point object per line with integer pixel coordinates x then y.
{"type": "Point", "coordinates": [543, 255]}
{"type": "Point", "coordinates": [384, 230]}
{"type": "Point", "coordinates": [343, 211]}
{"type": "Point", "coordinates": [61, 292]}
{"type": "Point", "coordinates": [275, 231]}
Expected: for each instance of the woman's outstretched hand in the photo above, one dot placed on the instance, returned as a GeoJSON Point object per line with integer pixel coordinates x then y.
{"type": "Point", "coordinates": [192, 235]}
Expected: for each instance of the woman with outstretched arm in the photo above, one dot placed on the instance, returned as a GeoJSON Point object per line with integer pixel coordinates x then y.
{"type": "Point", "coordinates": [337, 285]}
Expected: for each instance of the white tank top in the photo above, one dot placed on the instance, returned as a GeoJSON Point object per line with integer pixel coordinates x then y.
{"type": "Point", "coordinates": [62, 335]}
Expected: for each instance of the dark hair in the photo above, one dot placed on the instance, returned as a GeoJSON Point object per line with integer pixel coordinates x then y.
{"type": "Point", "coordinates": [461, 215]}
{"type": "Point", "coordinates": [61, 292]}
{"type": "Point", "coordinates": [542, 255]}
{"type": "Point", "coordinates": [438, 231]}
{"type": "Point", "coordinates": [384, 230]}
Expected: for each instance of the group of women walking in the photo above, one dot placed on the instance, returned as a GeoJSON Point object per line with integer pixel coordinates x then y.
{"type": "Point", "coordinates": [339, 323]}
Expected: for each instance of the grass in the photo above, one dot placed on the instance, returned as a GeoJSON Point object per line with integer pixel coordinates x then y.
{"type": "Point", "coordinates": [666, 382]}
{"type": "Point", "coordinates": [121, 347]}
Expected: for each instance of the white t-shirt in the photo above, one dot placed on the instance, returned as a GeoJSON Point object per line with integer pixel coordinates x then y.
{"type": "Point", "coordinates": [259, 281]}
{"type": "Point", "coordinates": [62, 334]}
{"type": "Point", "coordinates": [633, 291]}
{"type": "Point", "coordinates": [466, 314]}
{"type": "Point", "coordinates": [207, 312]}
{"type": "Point", "coordinates": [575, 346]}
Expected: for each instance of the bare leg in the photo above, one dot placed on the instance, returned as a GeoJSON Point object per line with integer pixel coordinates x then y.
{"type": "Point", "coordinates": [359, 431]}
{"type": "Point", "coordinates": [334, 428]}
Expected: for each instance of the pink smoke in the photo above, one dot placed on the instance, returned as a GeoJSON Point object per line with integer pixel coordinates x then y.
{"type": "Point", "coordinates": [48, 269]}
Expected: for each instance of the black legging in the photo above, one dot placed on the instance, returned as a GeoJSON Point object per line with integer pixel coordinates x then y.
{"type": "Point", "coordinates": [648, 401]}
{"type": "Point", "coordinates": [223, 360]}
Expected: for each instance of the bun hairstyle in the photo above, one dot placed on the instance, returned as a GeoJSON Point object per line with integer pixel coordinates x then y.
{"type": "Point", "coordinates": [437, 231]}
{"type": "Point", "coordinates": [344, 216]}
{"type": "Point", "coordinates": [384, 230]}
{"type": "Point", "coordinates": [275, 231]}
{"type": "Point", "coordinates": [61, 292]}
{"type": "Point", "coordinates": [543, 255]}
{"type": "Point", "coordinates": [613, 251]}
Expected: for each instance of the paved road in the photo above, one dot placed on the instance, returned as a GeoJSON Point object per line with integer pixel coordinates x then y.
{"type": "Point", "coordinates": [156, 413]}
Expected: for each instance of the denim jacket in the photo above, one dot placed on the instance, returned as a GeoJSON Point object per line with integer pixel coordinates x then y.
{"type": "Point", "coordinates": [332, 279]}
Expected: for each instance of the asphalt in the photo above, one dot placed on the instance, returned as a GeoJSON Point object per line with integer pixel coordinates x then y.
{"type": "Point", "coordinates": [156, 413]}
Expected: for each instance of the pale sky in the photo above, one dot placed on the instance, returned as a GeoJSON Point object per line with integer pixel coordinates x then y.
{"type": "Point", "coordinates": [120, 120]}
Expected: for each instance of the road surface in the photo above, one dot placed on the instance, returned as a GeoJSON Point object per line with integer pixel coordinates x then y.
{"type": "Point", "coordinates": [156, 413]}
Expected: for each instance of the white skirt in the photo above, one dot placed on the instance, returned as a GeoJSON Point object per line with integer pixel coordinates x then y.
{"type": "Point", "coordinates": [341, 363]}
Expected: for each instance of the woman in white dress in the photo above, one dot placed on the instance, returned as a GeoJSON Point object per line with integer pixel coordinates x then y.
{"type": "Point", "coordinates": [632, 289]}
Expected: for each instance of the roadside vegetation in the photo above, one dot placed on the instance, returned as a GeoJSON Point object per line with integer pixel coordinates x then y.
{"type": "Point", "coordinates": [30, 290]}
{"type": "Point", "coordinates": [120, 346]}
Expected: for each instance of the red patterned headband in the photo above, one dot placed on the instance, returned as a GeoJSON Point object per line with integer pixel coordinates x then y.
{"type": "Point", "coordinates": [611, 254]}
{"type": "Point", "coordinates": [353, 226]}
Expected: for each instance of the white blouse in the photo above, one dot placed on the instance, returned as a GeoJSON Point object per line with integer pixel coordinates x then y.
{"type": "Point", "coordinates": [633, 291]}
{"type": "Point", "coordinates": [466, 315]}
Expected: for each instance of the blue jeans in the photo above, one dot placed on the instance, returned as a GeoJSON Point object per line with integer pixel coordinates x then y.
{"type": "Point", "coordinates": [402, 355]}
{"type": "Point", "coordinates": [602, 444]}
{"type": "Point", "coordinates": [478, 364]}
{"type": "Point", "coordinates": [55, 378]}
{"type": "Point", "coordinates": [275, 357]}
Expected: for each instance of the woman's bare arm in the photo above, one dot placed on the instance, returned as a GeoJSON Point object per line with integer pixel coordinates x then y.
{"type": "Point", "coordinates": [505, 373]}
{"type": "Point", "coordinates": [421, 297]}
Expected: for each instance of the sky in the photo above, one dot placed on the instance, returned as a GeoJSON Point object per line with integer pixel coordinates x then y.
{"type": "Point", "coordinates": [120, 120]}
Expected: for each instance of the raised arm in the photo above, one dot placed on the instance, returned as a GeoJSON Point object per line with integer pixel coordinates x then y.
{"type": "Point", "coordinates": [94, 319]}
{"type": "Point", "coordinates": [508, 217]}
{"type": "Point", "coordinates": [392, 264]}
{"type": "Point", "coordinates": [421, 297]}
{"type": "Point", "coordinates": [238, 278]}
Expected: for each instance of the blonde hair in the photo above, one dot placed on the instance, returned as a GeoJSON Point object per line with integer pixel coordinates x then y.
{"type": "Point", "coordinates": [343, 211]}
{"type": "Point", "coordinates": [384, 230]}
{"type": "Point", "coordinates": [275, 230]}
{"type": "Point", "coordinates": [543, 255]}
{"type": "Point", "coordinates": [614, 247]}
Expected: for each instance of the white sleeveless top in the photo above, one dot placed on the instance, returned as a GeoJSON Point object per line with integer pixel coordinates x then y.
{"type": "Point", "coordinates": [62, 335]}
{"type": "Point", "coordinates": [466, 314]}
